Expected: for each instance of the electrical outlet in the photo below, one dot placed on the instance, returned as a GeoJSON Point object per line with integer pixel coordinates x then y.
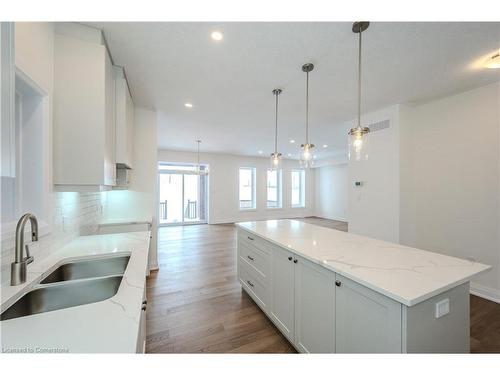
{"type": "Point", "coordinates": [442, 308]}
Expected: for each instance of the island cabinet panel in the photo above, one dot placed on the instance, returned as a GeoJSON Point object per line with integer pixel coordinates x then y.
{"type": "Point", "coordinates": [365, 321]}
{"type": "Point", "coordinates": [282, 292]}
{"type": "Point", "coordinates": [314, 308]}
{"type": "Point", "coordinates": [426, 331]}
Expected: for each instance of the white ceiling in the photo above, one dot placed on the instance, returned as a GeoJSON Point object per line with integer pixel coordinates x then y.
{"type": "Point", "coordinates": [230, 82]}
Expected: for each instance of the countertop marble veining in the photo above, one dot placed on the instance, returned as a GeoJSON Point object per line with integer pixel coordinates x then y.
{"type": "Point", "coordinates": [405, 274]}
{"type": "Point", "coordinates": [108, 326]}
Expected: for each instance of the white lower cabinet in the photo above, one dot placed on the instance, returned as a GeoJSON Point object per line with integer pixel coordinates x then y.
{"type": "Point", "coordinates": [365, 321]}
{"type": "Point", "coordinates": [320, 311]}
{"type": "Point", "coordinates": [282, 292]}
{"type": "Point", "coordinates": [314, 308]}
{"type": "Point", "coordinates": [141, 338]}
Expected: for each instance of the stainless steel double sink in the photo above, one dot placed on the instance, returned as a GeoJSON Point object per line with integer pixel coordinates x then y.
{"type": "Point", "coordinates": [72, 284]}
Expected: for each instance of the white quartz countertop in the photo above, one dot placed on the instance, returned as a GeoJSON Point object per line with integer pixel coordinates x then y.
{"type": "Point", "coordinates": [108, 326]}
{"type": "Point", "coordinates": [405, 274]}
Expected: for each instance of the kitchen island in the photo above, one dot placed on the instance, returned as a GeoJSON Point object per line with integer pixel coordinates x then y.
{"type": "Point", "coordinates": [335, 292]}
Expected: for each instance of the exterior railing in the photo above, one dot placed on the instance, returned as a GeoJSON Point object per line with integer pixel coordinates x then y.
{"type": "Point", "coordinates": [163, 211]}
{"type": "Point", "coordinates": [191, 211]}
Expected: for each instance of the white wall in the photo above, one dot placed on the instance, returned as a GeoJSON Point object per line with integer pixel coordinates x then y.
{"type": "Point", "coordinates": [139, 201]}
{"type": "Point", "coordinates": [223, 186]}
{"type": "Point", "coordinates": [374, 206]}
{"type": "Point", "coordinates": [331, 191]}
{"type": "Point", "coordinates": [450, 201]}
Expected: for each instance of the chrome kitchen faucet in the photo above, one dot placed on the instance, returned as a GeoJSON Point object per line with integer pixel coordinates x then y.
{"type": "Point", "coordinates": [19, 266]}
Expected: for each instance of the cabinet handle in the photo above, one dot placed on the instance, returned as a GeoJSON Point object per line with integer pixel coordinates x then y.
{"type": "Point", "coordinates": [249, 257]}
{"type": "Point", "coordinates": [290, 258]}
{"type": "Point", "coordinates": [250, 283]}
{"type": "Point", "coordinates": [250, 238]}
{"type": "Point", "coordinates": [295, 261]}
{"type": "Point", "coordinates": [338, 283]}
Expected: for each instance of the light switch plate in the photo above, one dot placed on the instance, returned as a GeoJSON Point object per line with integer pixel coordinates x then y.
{"type": "Point", "coordinates": [442, 308]}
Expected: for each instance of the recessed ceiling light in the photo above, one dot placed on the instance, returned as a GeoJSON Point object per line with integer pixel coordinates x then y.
{"type": "Point", "coordinates": [261, 152]}
{"type": "Point", "coordinates": [289, 155]}
{"type": "Point", "coordinates": [292, 140]}
{"type": "Point", "coordinates": [493, 62]}
{"type": "Point", "coordinates": [314, 156]}
{"type": "Point", "coordinates": [325, 146]}
{"type": "Point", "coordinates": [217, 35]}
{"type": "Point", "coordinates": [188, 105]}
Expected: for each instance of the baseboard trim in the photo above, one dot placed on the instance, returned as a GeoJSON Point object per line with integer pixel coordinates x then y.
{"type": "Point", "coordinates": [485, 292]}
{"type": "Point", "coordinates": [336, 218]}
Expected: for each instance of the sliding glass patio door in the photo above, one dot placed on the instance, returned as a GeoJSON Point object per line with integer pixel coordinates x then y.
{"type": "Point", "coordinates": [182, 195]}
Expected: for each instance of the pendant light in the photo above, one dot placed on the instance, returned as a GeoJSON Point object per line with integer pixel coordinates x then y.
{"type": "Point", "coordinates": [276, 156]}
{"type": "Point", "coordinates": [199, 170]}
{"type": "Point", "coordinates": [358, 136]}
{"type": "Point", "coordinates": [306, 153]}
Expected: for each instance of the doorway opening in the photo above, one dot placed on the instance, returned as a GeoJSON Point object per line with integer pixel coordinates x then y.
{"type": "Point", "coordinates": [182, 194]}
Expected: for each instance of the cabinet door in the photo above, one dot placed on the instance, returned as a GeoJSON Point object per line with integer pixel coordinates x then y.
{"type": "Point", "coordinates": [130, 128]}
{"type": "Point", "coordinates": [314, 308]}
{"type": "Point", "coordinates": [109, 124]}
{"type": "Point", "coordinates": [141, 338]}
{"type": "Point", "coordinates": [282, 291]}
{"type": "Point", "coordinates": [366, 321]}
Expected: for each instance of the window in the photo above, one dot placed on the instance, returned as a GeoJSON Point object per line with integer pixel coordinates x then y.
{"type": "Point", "coordinates": [298, 188]}
{"type": "Point", "coordinates": [273, 188]}
{"type": "Point", "coordinates": [247, 188]}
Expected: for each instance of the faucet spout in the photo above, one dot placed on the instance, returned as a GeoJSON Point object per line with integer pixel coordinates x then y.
{"type": "Point", "coordinates": [18, 267]}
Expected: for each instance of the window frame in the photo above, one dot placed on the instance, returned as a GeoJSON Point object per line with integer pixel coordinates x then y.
{"type": "Point", "coordinates": [279, 189]}
{"type": "Point", "coordinates": [302, 188]}
{"type": "Point", "coordinates": [253, 187]}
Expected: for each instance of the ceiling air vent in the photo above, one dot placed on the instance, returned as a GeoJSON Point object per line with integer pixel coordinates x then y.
{"type": "Point", "coordinates": [381, 125]}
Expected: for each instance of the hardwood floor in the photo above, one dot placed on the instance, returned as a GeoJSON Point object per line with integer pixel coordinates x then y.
{"type": "Point", "coordinates": [195, 303]}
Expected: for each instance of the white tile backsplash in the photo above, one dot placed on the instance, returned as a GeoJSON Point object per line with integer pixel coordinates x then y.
{"type": "Point", "coordinates": [73, 214]}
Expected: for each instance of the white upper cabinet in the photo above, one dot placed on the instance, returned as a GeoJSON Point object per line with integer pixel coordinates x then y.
{"type": "Point", "coordinates": [124, 116]}
{"type": "Point", "coordinates": [84, 110]}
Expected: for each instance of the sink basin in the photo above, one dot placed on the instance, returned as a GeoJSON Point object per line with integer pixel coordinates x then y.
{"type": "Point", "coordinates": [60, 296]}
{"type": "Point", "coordinates": [83, 269]}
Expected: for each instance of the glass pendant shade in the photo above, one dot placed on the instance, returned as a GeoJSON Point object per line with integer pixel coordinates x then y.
{"type": "Point", "coordinates": [306, 155]}
{"type": "Point", "coordinates": [275, 161]}
{"type": "Point", "coordinates": [358, 143]}
{"type": "Point", "coordinates": [201, 170]}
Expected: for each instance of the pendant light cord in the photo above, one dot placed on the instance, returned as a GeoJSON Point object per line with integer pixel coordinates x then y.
{"type": "Point", "coordinates": [359, 81]}
{"type": "Point", "coordinates": [307, 107]}
{"type": "Point", "coordinates": [276, 127]}
{"type": "Point", "coordinates": [198, 141]}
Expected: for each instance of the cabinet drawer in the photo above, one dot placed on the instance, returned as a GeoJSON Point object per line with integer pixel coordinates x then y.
{"type": "Point", "coordinates": [254, 284]}
{"type": "Point", "coordinates": [255, 241]}
{"type": "Point", "coordinates": [257, 259]}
